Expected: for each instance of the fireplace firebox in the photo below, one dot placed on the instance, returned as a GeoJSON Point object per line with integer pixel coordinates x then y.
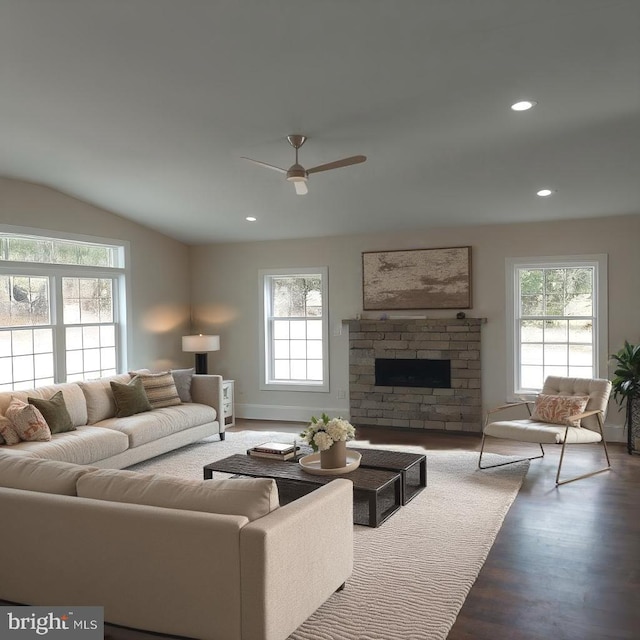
{"type": "Point", "coordinates": [426, 373]}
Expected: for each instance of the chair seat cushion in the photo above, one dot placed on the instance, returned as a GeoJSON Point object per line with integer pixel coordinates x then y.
{"type": "Point", "coordinates": [540, 432]}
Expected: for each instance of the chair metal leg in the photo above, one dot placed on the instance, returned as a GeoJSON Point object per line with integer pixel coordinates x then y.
{"type": "Point", "coordinates": [502, 464]}
{"type": "Point", "coordinates": [584, 475]}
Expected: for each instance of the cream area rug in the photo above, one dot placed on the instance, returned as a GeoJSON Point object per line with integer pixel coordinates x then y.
{"type": "Point", "coordinates": [412, 574]}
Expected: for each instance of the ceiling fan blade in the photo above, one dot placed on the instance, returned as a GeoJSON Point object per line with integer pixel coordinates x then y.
{"type": "Point", "coordinates": [264, 164]}
{"type": "Point", "coordinates": [345, 162]}
{"type": "Point", "coordinates": [301, 187]}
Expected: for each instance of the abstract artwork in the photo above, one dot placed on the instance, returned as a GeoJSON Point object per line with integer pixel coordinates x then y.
{"type": "Point", "coordinates": [417, 279]}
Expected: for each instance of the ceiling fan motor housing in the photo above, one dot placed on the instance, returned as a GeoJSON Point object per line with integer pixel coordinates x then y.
{"type": "Point", "coordinates": [296, 173]}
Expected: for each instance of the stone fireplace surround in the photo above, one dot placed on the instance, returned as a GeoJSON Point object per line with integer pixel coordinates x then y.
{"type": "Point", "coordinates": [456, 409]}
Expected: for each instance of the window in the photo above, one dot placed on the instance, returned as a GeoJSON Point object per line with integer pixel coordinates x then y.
{"type": "Point", "coordinates": [62, 305]}
{"type": "Point", "coordinates": [557, 319]}
{"type": "Point", "coordinates": [295, 334]}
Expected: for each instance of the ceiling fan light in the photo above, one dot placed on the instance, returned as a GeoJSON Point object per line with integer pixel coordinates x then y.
{"type": "Point", "coordinates": [301, 187]}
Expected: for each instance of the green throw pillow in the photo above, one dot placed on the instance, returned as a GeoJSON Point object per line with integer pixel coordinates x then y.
{"type": "Point", "coordinates": [130, 398]}
{"type": "Point", "coordinates": [54, 412]}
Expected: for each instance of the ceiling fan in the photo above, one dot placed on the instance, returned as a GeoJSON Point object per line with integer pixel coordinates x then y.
{"type": "Point", "coordinates": [297, 174]}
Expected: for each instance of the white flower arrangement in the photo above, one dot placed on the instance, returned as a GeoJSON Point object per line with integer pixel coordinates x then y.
{"type": "Point", "coordinates": [323, 432]}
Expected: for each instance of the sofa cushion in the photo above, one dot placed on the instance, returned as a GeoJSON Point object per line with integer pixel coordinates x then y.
{"type": "Point", "coordinates": [47, 476]}
{"type": "Point", "coordinates": [182, 378]}
{"type": "Point", "coordinates": [85, 445]}
{"type": "Point", "coordinates": [55, 412]}
{"type": "Point", "coordinates": [146, 427]}
{"type": "Point", "coordinates": [160, 389]}
{"type": "Point", "coordinates": [28, 423]}
{"type": "Point", "coordinates": [99, 397]}
{"type": "Point", "coordinates": [8, 435]}
{"type": "Point", "coordinates": [250, 497]}
{"type": "Point", "coordinates": [72, 393]}
{"type": "Point", "coordinates": [130, 398]}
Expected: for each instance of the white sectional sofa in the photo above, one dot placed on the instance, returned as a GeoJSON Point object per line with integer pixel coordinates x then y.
{"type": "Point", "coordinates": [103, 440]}
{"type": "Point", "coordinates": [200, 559]}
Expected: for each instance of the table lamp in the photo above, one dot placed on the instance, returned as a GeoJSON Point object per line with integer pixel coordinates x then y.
{"type": "Point", "coordinates": [200, 345]}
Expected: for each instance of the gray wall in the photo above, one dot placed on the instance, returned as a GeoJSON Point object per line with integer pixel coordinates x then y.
{"type": "Point", "coordinates": [159, 282]}
{"type": "Point", "coordinates": [222, 283]}
{"type": "Point", "coordinates": [226, 297]}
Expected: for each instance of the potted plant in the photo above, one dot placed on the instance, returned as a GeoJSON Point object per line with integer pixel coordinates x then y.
{"type": "Point", "coordinates": [626, 390]}
{"type": "Point", "coordinates": [329, 436]}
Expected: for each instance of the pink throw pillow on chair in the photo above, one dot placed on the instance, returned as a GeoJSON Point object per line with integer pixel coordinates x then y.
{"type": "Point", "coordinates": [558, 409]}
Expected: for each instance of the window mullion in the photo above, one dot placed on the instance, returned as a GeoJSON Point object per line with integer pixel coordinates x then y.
{"type": "Point", "coordinates": [116, 320]}
{"type": "Point", "coordinates": [59, 339]}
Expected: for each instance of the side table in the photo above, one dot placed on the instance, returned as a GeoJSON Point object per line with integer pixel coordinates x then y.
{"type": "Point", "coordinates": [228, 403]}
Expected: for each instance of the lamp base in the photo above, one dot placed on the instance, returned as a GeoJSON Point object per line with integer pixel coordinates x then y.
{"type": "Point", "coordinates": [201, 363]}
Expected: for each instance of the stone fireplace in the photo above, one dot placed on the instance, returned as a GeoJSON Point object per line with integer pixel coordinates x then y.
{"type": "Point", "coordinates": [416, 373]}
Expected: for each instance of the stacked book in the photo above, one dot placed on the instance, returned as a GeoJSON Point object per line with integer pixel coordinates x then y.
{"type": "Point", "coordinates": [274, 450]}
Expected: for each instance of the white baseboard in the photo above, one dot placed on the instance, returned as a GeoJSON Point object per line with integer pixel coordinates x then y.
{"type": "Point", "coordinates": [288, 413]}
{"type": "Point", "coordinates": [615, 433]}
{"type": "Point", "coordinates": [612, 432]}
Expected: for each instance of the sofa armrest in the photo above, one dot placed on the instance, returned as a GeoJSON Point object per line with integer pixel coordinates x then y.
{"type": "Point", "coordinates": [207, 389]}
{"type": "Point", "coordinates": [180, 568]}
{"type": "Point", "coordinates": [293, 559]}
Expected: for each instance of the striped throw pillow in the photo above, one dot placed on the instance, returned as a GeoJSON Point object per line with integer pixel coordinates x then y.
{"type": "Point", "coordinates": [160, 389]}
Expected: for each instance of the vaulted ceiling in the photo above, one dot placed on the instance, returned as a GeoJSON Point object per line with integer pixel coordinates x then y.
{"type": "Point", "coordinates": [146, 107]}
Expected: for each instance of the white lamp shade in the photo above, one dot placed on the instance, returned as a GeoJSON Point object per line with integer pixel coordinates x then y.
{"type": "Point", "coordinates": [200, 343]}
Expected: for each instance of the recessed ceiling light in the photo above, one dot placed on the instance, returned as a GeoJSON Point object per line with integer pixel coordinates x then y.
{"type": "Point", "coordinates": [250, 219]}
{"type": "Point", "coordinates": [543, 193]}
{"type": "Point", "coordinates": [523, 105]}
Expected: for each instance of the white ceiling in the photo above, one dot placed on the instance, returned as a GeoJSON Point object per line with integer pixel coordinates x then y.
{"type": "Point", "coordinates": [144, 107]}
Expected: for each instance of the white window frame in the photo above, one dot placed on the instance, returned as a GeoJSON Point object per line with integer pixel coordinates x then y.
{"type": "Point", "coordinates": [55, 273]}
{"type": "Point", "coordinates": [600, 331]}
{"type": "Point", "coordinates": [266, 355]}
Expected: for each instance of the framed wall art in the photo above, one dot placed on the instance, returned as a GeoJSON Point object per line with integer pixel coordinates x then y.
{"type": "Point", "coordinates": [417, 279]}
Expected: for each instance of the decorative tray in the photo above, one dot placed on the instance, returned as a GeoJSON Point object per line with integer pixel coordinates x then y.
{"type": "Point", "coordinates": [311, 464]}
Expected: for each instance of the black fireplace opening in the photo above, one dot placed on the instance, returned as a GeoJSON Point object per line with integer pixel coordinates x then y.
{"type": "Point", "coordinates": [434, 374]}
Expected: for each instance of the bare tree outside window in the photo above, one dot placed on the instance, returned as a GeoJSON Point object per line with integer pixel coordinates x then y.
{"type": "Point", "coordinates": [85, 325]}
{"type": "Point", "coordinates": [295, 330]}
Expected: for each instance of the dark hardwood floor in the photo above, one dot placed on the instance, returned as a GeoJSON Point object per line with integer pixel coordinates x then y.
{"type": "Point", "coordinates": [566, 563]}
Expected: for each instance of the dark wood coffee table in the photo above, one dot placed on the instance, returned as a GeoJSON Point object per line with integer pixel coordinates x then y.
{"type": "Point", "coordinates": [412, 467]}
{"type": "Point", "coordinates": [377, 493]}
